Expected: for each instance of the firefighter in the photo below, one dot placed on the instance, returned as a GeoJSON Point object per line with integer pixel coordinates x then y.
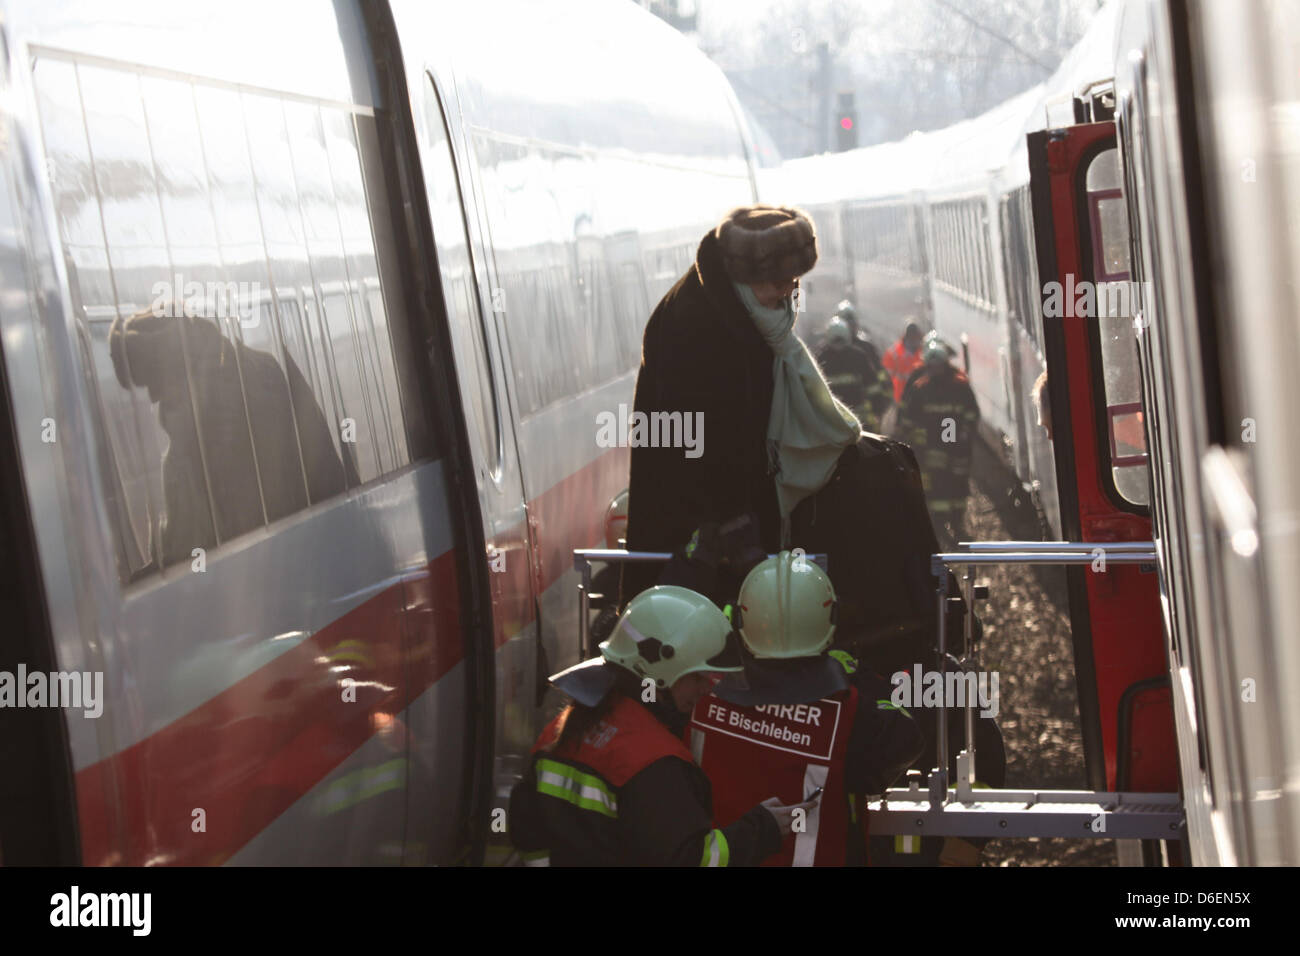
{"type": "Point", "coordinates": [854, 373]}
{"type": "Point", "coordinates": [849, 314]}
{"type": "Point", "coordinates": [610, 782]}
{"type": "Point", "coordinates": [806, 722]}
{"type": "Point", "coordinates": [938, 417]}
{"type": "Point", "coordinates": [904, 357]}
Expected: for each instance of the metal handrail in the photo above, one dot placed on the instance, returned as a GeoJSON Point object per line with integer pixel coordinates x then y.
{"type": "Point", "coordinates": [1107, 547]}
{"type": "Point", "coordinates": [1068, 553]}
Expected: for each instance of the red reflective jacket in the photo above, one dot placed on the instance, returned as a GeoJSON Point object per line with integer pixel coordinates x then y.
{"type": "Point", "coordinates": [786, 751]}
{"type": "Point", "coordinates": [627, 741]}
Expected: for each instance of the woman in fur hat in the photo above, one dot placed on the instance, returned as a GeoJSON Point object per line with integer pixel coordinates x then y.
{"type": "Point", "coordinates": [722, 342]}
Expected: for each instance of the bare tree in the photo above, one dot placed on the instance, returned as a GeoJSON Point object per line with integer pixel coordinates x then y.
{"type": "Point", "coordinates": [912, 64]}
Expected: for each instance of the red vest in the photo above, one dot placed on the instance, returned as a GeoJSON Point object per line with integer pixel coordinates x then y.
{"type": "Point", "coordinates": [626, 741]}
{"type": "Point", "coordinates": [786, 751]}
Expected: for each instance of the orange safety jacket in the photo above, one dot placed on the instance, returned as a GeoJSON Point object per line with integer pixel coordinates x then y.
{"type": "Point", "coordinates": [900, 364]}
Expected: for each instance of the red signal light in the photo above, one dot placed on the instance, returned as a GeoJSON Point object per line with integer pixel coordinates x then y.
{"type": "Point", "coordinates": [846, 122]}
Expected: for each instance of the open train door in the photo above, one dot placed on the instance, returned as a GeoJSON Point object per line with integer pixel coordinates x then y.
{"type": "Point", "coordinates": [1097, 427]}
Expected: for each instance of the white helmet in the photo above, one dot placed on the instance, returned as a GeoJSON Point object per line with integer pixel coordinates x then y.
{"type": "Point", "coordinates": [668, 632]}
{"type": "Point", "coordinates": [787, 608]}
{"type": "Point", "coordinates": [616, 521]}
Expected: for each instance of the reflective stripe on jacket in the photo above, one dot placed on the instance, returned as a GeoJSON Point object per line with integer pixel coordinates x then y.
{"type": "Point", "coordinates": [627, 794]}
{"type": "Point", "coordinates": [752, 753]}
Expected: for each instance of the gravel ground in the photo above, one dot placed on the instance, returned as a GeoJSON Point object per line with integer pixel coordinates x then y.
{"type": "Point", "coordinates": [1027, 641]}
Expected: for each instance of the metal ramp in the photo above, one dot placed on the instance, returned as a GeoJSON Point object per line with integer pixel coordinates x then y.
{"type": "Point", "coordinates": [929, 806]}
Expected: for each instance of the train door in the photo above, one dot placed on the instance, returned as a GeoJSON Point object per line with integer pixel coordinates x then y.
{"type": "Point", "coordinates": [1095, 396]}
{"type": "Point", "coordinates": [509, 555]}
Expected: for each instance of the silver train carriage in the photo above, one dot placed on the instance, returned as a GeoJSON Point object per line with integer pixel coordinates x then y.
{"type": "Point", "coordinates": [307, 327]}
{"type": "Point", "coordinates": [1208, 122]}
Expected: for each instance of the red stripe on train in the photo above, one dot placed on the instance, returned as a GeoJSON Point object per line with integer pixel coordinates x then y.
{"type": "Point", "coordinates": [247, 754]}
{"type": "Point", "coordinates": [572, 513]}
{"type": "Point", "coordinates": [568, 515]}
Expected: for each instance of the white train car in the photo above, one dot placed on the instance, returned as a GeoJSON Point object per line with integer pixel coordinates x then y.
{"type": "Point", "coordinates": [1209, 135]}
{"type": "Point", "coordinates": [309, 515]}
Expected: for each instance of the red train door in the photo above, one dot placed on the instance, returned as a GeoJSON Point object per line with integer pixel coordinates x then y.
{"type": "Point", "coordinates": [1095, 393]}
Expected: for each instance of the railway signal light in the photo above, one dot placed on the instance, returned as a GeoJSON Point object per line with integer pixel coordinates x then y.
{"type": "Point", "coordinates": [847, 123]}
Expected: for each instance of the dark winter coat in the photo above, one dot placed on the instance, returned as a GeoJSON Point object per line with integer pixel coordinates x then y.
{"type": "Point", "coordinates": [702, 353]}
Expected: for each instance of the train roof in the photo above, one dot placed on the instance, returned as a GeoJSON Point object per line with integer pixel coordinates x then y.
{"type": "Point", "coordinates": [584, 74]}
{"type": "Point", "coordinates": [590, 75]}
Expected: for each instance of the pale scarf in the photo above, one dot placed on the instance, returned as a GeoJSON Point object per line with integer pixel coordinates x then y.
{"type": "Point", "coordinates": [807, 428]}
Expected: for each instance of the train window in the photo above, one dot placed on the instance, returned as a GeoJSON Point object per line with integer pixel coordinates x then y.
{"type": "Point", "coordinates": [986, 252]}
{"type": "Point", "coordinates": [1115, 335]}
{"type": "Point", "coordinates": [455, 261]}
{"type": "Point", "coordinates": [201, 226]}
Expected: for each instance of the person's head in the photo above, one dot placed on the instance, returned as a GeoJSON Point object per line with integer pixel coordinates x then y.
{"type": "Point", "coordinates": [848, 314]}
{"type": "Point", "coordinates": [935, 351]}
{"type": "Point", "coordinates": [786, 608]}
{"type": "Point", "coordinates": [616, 521]}
{"type": "Point", "coordinates": [838, 332]}
{"type": "Point", "coordinates": [911, 336]}
{"type": "Point", "coordinates": [677, 639]}
{"type": "Point", "coordinates": [767, 248]}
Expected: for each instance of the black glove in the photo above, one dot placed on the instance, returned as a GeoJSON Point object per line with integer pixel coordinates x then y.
{"type": "Point", "coordinates": [695, 566]}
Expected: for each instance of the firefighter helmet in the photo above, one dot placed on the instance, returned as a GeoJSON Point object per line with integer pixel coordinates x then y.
{"type": "Point", "coordinates": [935, 349]}
{"type": "Point", "coordinates": [616, 521]}
{"type": "Point", "coordinates": [838, 332]}
{"type": "Point", "coordinates": [787, 608]}
{"type": "Point", "coordinates": [848, 313]}
{"type": "Point", "coordinates": [668, 632]}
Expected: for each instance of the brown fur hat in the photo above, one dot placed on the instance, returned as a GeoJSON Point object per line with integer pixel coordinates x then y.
{"type": "Point", "coordinates": [762, 243]}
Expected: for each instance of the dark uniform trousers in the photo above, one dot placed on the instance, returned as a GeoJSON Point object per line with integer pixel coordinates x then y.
{"type": "Point", "coordinates": [938, 417]}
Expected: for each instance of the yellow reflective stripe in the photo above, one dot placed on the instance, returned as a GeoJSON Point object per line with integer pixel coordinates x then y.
{"type": "Point", "coordinates": [890, 705]}
{"type": "Point", "coordinates": [847, 661]}
{"type": "Point", "coordinates": [905, 843]}
{"type": "Point", "coordinates": [583, 790]}
{"type": "Point", "coordinates": [716, 850]}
